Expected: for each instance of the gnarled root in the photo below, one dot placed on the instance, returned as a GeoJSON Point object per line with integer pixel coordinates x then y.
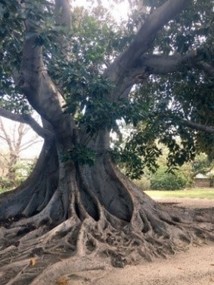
{"type": "Point", "coordinates": [49, 255]}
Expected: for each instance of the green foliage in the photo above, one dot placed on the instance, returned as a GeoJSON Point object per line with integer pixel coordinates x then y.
{"type": "Point", "coordinates": [11, 42]}
{"type": "Point", "coordinates": [163, 180]}
{"type": "Point", "coordinates": [186, 31]}
{"type": "Point", "coordinates": [22, 170]}
{"type": "Point", "coordinates": [80, 154]}
{"type": "Point", "coordinates": [5, 183]}
{"type": "Point", "coordinates": [202, 165]}
{"type": "Point", "coordinates": [164, 102]}
{"type": "Point", "coordinates": [93, 42]}
{"type": "Point", "coordinates": [76, 60]}
{"type": "Point", "coordinates": [129, 162]}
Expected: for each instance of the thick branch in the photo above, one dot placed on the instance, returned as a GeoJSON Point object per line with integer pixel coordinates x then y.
{"type": "Point", "coordinates": [149, 29]}
{"type": "Point", "coordinates": [163, 64]}
{"type": "Point", "coordinates": [199, 127]}
{"type": "Point", "coordinates": [35, 82]}
{"type": "Point", "coordinates": [26, 119]}
{"type": "Point", "coordinates": [62, 13]}
{"type": "Point", "coordinates": [119, 70]}
{"type": "Point", "coordinates": [38, 87]}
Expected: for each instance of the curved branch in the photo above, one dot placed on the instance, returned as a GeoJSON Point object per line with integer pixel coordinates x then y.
{"type": "Point", "coordinates": [35, 82]}
{"type": "Point", "coordinates": [149, 29]}
{"type": "Point", "coordinates": [163, 64]}
{"type": "Point", "coordinates": [119, 71]}
{"type": "Point", "coordinates": [38, 87]}
{"type": "Point", "coordinates": [199, 127]}
{"type": "Point", "coordinates": [26, 119]}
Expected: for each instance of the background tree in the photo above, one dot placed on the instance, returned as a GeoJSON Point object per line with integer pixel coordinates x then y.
{"type": "Point", "coordinates": [202, 165]}
{"type": "Point", "coordinates": [15, 139]}
{"type": "Point", "coordinates": [82, 72]}
{"type": "Point", "coordinates": [163, 179]}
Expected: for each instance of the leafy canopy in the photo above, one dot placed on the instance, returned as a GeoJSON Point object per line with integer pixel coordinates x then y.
{"type": "Point", "coordinates": [157, 107]}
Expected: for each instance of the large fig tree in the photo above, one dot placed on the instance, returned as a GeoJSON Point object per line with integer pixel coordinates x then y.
{"type": "Point", "coordinates": [84, 73]}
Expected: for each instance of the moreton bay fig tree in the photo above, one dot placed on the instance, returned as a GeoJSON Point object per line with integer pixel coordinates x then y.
{"type": "Point", "coordinates": [84, 71]}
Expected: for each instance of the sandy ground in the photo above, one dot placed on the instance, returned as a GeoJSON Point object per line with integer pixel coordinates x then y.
{"type": "Point", "coordinates": [190, 203]}
{"type": "Point", "coordinates": [193, 267]}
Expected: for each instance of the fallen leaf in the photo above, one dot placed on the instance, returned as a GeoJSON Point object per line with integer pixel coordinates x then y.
{"type": "Point", "coordinates": [33, 261]}
{"type": "Point", "coordinates": [62, 281]}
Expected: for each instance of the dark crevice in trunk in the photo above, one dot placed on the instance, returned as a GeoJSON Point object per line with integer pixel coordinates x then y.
{"type": "Point", "coordinates": [88, 201]}
{"type": "Point", "coordinates": [106, 188]}
{"type": "Point", "coordinates": [78, 212]}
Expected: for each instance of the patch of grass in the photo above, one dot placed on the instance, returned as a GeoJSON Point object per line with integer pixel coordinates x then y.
{"type": "Point", "coordinates": [199, 193]}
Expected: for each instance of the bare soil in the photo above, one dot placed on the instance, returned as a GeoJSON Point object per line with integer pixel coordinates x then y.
{"type": "Point", "coordinates": [188, 202]}
{"type": "Point", "coordinates": [194, 267]}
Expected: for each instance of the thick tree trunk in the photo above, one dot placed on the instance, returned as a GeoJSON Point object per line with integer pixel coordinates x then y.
{"type": "Point", "coordinates": [67, 209]}
{"type": "Point", "coordinates": [34, 194]}
{"type": "Point", "coordinates": [80, 211]}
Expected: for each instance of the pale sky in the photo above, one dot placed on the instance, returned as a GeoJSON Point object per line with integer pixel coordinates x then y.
{"type": "Point", "coordinates": [118, 10]}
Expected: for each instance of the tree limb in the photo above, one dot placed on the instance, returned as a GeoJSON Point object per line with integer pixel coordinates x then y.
{"type": "Point", "coordinates": [119, 71]}
{"type": "Point", "coordinates": [26, 119]}
{"type": "Point", "coordinates": [62, 13]}
{"type": "Point", "coordinates": [199, 127]}
{"type": "Point", "coordinates": [38, 87]}
{"type": "Point", "coordinates": [162, 64]}
{"type": "Point", "coordinates": [149, 29]}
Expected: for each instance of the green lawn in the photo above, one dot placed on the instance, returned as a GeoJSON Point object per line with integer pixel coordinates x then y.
{"type": "Point", "coordinates": [199, 193]}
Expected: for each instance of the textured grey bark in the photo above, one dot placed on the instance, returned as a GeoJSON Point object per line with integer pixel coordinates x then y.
{"type": "Point", "coordinates": [86, 212]}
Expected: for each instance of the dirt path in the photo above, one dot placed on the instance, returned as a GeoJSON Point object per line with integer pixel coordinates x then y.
{"type": "Point", "coordinates": [194, 267]}
{"type": "Point", "coordinates": [189, 203]}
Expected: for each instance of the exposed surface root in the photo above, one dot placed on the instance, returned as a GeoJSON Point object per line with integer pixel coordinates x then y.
{"type": "Point", "coordinates": [94, 218]}
{"type": "Point", "coordinates": [47, 255]}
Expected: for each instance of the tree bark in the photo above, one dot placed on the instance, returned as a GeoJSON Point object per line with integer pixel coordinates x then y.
{"type": "Point", "coordinates": [79, 211]}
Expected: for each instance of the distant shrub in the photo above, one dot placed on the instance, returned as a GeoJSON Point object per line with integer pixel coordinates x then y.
{"type": "Point", "coordinates": [168, 181]}
{"type": "Point", "coordinates": [143, 183]}
{"type": "Point", "coordinates": [22, 171]}
{"type": "Point", "coordinates": [5, 183]}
